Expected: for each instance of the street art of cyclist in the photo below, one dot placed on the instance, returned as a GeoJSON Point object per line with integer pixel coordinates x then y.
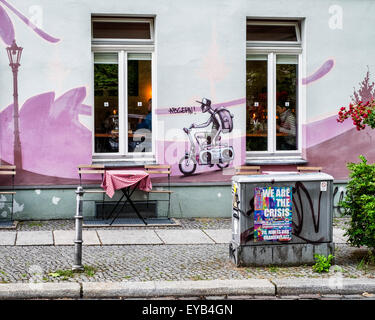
{"type": "Point", "coordinates": [207, 148]}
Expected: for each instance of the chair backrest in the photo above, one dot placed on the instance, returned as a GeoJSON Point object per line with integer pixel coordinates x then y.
{"type": "Point", "coordinates": [247, 170]}
{"type": "Point", "coordinates": [309, 169]}
{"type": "Point", "coordinates": [8, 170]}
{"type": "Point", "coordinates": [90, 169]}
{"type": "Point", "coordinates": [158, 169]}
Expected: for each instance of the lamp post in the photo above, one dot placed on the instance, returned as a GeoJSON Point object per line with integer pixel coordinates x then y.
{"type": "Point", "coordinates": [14, 55]}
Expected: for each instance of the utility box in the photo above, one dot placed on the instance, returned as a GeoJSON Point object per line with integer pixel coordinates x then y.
{"type": "Point", "coordinates": [281, 218]}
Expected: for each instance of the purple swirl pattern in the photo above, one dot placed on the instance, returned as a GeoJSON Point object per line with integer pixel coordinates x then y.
{"type": "Point", "coordinates": [321, 72]}
{"type": "Point", "coordinates": [7, 29]}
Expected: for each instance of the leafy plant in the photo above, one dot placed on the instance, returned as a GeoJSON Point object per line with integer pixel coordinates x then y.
{"type": "Point", "coordinates": [68, 273]}
{"type": "Point", "coordinates": [35, 224]}
{"type": "Point", "coordinates": [322, 263]}
{"type": "Point", "coordinates": [366, 261]}
{"type": "Point", "coordinates": [273, 269]}
{"type": "Point", "coordinates": [359, 203]}
{"type": "Point", "coordinates": [89, 271]}
{"type": "Point", "coordinates": [64, 274]}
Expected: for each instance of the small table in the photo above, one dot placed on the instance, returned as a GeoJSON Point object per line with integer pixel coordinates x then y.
{"type": "Point", "coordinates": [127, 181]}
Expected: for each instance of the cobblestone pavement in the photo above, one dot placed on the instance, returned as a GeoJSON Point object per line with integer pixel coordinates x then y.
{"type": "Point", "coordinates": [157, 262]}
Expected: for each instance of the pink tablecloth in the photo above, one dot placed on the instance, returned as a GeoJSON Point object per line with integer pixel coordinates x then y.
{"type": "Point", "coordinates": [118, 179]}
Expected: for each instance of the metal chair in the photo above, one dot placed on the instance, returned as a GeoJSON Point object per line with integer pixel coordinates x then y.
{"type": "Point", "coordinates": [9, 170]}
{"type": "Point", "coordinates": [92, 169]}
{"type": "Point", "coordinates": [247, 170]}
{"type": "Point", "coordinates": [161, 169]}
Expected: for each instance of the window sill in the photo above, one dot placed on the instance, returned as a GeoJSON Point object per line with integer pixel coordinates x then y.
{"type": "Point", "coordinates": [276, 161]}
{"type": "Point", "coordinates": [117, 162]}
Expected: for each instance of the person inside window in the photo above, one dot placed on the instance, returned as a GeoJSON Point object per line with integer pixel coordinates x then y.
{"type": "Point", "coordinates": [146, 122]}
{"type": "Point", "coordinates": [141, 141]}
{"type": "Point", "coordinates": [287, 128]}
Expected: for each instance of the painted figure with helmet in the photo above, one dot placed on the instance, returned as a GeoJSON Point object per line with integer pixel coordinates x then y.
{"type": "Point", "coordinates": [210, 149]}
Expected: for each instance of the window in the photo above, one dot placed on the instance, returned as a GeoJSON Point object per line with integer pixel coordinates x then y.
{"type": "Point", "coordinates": [122, 87]}
{"type": "Point", "coordinates": [268, 31]}
{"type": "Point", "coordinates": [120, 29]}
{"type": "Point", "coordinates": [273, 98]}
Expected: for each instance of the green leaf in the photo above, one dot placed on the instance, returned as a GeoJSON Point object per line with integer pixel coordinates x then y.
{"type": "Point", "coordinates": [54, 274]}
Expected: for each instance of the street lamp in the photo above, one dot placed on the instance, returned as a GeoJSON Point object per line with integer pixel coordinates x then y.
{"type": "Point", "coordinates": [14, 55]}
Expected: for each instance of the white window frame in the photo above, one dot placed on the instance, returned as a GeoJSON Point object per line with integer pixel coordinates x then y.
{"type": "Point", "coordinates": [272, 49]}
{"type": "Point", "coordinates": [276, 23]}
{"type": "Point", "coordinates": [125, 20]}
{"type": "Point", "coordinates": [122, 49]}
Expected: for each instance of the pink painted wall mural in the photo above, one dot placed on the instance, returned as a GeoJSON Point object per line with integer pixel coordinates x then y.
{"type": "Point", "coordinates": [206, 147]}
{"type": "Point", "coordinates": [332, 144]}
{"type": "Point", "coordinates": [320, 73]}
{"type": "Point", "coordinates": [53, 140]}
{"type": "Point", "coordinates": [7, 29]}
{"type": "Point", "coordinates": [198, 158]}
{"type": "Point", "coordinates": [366, 90]}
{"type": "Point", "coordinates": [50, 137]}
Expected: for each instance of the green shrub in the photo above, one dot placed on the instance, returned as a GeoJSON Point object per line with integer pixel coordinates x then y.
{"type": "Point", "coordinates": [359, 204]}
{"type": "Point", "coordinates": [322, 263]}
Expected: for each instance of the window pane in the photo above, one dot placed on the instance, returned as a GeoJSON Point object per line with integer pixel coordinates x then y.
{"type": "Point", "coordinates": [286, 102]}
{"type": "Point", "coordinates": [271, 33]}
{"type": "Point", "coordinates": [106, 102]}
{"type": "Point", "coordinates": [256, 103]}
{"type": "Point", "coordinates": [121, 30]}
{"type": "Point", "coordinates": [139, 103]}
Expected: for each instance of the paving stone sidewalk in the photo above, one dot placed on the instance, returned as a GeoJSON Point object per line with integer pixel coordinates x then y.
{"type": "Point", "coordinates": [126, 237]}
{"type": "Point", "coordinates": [195, 250]}
{"type": "Point", "coordinates": [185, 231]}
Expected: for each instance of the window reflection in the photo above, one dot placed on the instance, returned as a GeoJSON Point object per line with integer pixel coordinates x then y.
{"type": "Point", "coordinates": [286, 102]}
{"type": "Point", "coordinates": [121, 30]}
{"type": "Point", "coordinates": [271, 32]}
{"type": "Point", "coordinates": [139, 103]}
{"type": "Point", "coordinates": [106, 102]}
{"type": "Point", "coordinates": [256, 103]}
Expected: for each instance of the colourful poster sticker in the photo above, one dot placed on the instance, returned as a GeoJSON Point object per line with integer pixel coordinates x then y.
{"type": "Point", "coordinates": [273, 214]}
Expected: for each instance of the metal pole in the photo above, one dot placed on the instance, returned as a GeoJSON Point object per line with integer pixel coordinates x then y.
{"type": "Point", "coordinates": [78, 240]}
{"type": "Point", "coordinates": [17, 151]}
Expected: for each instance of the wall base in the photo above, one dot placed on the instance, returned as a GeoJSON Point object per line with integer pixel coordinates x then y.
{"type": "Point", "coordinates": [278, 255]}
{"type": "Point", "coordinates": [187, 201]}
{"type": "Point", "coordinates": [202, 201]}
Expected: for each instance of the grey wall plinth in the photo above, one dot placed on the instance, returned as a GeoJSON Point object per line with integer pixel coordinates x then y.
{"type": "Point", "coordinates": [59, 202]}
{"type": "Point", "coordinates": [278, 254]}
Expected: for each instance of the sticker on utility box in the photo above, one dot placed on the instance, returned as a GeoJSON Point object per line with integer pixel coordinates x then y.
{"type": "Point", "coordinates": [323, 186]}
{"type": "Point", "coordinates": [273, 214]}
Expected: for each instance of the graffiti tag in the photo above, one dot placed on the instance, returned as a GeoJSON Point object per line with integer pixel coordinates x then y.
{"type": "Point", "coordinates": [189, 110]}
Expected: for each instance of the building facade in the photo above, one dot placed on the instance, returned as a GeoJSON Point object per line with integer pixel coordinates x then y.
{"type": "Point", "coordinates": [202, 86]}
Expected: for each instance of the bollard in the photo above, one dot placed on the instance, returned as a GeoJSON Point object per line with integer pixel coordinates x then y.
{"type": "Point", "coordinates": [78, 239]}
